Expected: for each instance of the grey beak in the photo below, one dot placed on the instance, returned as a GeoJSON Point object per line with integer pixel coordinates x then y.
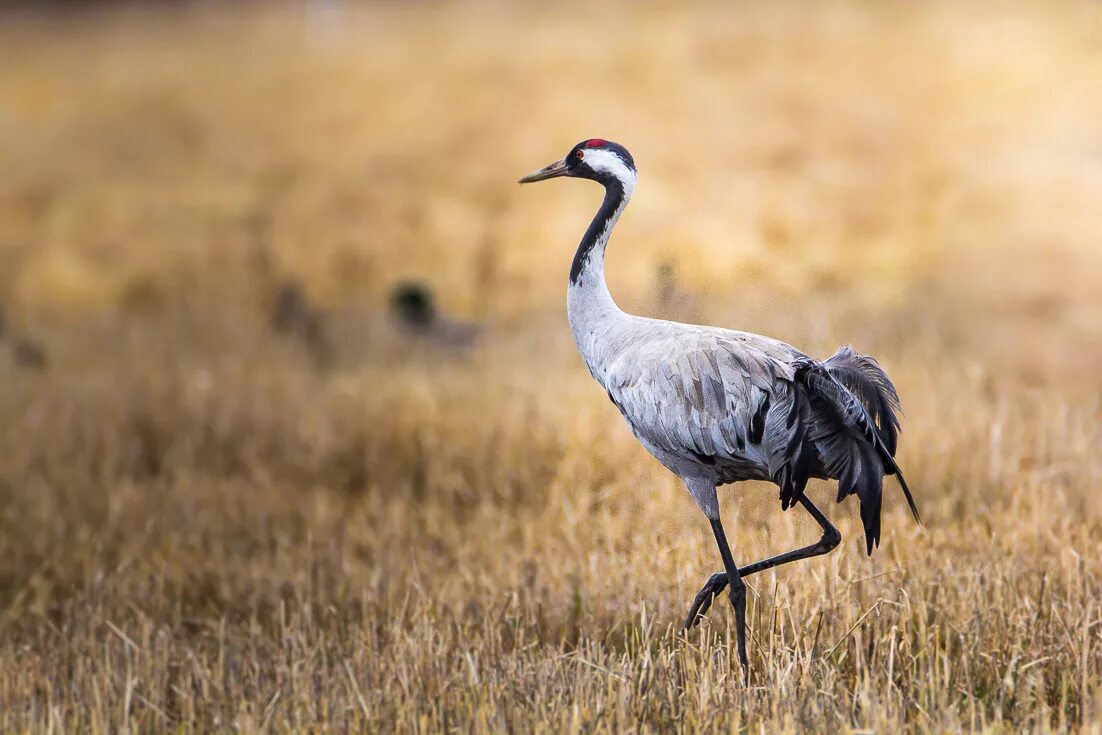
{"type": "Point", "coordinates": [558, 168]}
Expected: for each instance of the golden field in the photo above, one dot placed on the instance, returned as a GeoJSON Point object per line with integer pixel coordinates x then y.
{"type": "Point", "coordinates": [205, 527]}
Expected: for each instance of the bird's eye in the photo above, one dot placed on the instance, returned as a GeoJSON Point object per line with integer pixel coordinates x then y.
{"type": "Point", "coordinates": [579, 155]}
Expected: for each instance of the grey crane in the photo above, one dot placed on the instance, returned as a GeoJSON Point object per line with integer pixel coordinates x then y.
{"type": "Point", "coordinates": [717, 406]}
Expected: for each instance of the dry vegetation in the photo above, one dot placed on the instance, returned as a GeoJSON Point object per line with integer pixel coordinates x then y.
{"type": "Point", "coordinates": [201, 530]}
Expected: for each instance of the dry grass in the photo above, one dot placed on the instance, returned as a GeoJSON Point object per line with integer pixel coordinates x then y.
{"type": "Point", "coordinates": [202, 531]}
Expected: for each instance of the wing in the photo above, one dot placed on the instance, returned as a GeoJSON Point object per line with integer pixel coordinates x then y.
{"type": "Point", "coordinates": [713, 396]}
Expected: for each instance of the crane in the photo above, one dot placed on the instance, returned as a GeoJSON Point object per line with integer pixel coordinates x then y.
{"type": "Point", "coordinates": [718, 406]}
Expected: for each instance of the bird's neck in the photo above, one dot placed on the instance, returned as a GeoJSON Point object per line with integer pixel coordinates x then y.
{"type": "Point", "coordinates": [589, 303]}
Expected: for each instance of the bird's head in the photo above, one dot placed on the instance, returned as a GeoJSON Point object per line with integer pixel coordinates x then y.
{"type": "Point", "coordinates": [413, 305]}
{"type": "Point", "coordinates": [597, 159]}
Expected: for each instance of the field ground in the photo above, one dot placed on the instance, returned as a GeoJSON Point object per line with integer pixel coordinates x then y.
{"type": "Point", "coordinates": [208, 527]}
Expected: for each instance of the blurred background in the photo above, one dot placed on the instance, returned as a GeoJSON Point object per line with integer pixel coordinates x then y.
{"type": "Point", "coordinates": [292, 427]}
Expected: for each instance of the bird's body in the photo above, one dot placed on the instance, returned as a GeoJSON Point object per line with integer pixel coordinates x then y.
{"type": "Point", "coordinates": [692, 398]}
{"type": "Point", "coordinates": [717, 406]}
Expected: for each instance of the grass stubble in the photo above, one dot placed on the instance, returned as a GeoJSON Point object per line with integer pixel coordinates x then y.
{"type": "Point", "coordinates": [200, 530]}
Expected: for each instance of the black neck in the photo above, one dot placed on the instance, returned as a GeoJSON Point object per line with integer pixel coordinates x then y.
{"type": "Point", "coordinates": [614, 197]}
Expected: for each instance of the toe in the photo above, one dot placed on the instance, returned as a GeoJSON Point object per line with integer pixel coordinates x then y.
{"type": "Point", "coordinates": [703, 599]}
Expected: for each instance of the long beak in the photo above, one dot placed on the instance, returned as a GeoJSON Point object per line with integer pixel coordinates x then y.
{"type": "Point", "coordinates": [558, 168]}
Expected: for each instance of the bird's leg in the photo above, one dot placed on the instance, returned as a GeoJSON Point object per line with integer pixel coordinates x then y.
{"type": "Point", "coordinates": [738, 594]}
{"type": "Point", "coordinates": [717, 582]}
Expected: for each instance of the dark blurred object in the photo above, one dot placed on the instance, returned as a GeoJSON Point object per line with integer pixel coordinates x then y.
{"type": "Point", "coordinates": [28, 354]}
{"type": "Point", "coordinates": [292, 315]}
{"type": "Point", "coordinates": [25, 352]}
{"type": "Point", "coordinates": [142, 295]}
{"type": "Point", "coordinates": [413, 307]}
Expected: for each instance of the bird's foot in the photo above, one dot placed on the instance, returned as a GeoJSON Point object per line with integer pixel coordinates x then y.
{"type": "Point", "coordinates": [703, 600]}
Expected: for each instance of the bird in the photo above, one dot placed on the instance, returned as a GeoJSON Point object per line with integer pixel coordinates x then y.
{"type": "Point", "coordinates": [413, 309]}
{"type": "Point", "coordinates": [718, 406]}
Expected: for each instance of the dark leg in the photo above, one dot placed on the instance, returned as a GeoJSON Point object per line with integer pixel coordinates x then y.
{"type": "Point", "coordinates": [738, 594]}
{"type": "Point", "coordinates": [717, 582]}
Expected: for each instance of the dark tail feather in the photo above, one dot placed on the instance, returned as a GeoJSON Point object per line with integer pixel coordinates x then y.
{"type": "Point", "coordinates": [870, 517]}
{"type": "Point", "coordinates": [854, 447]}
{"type": "Point", "coordinates": [858, 469]}
{"type": "Point", "coordinates": [906, 490]}
{"type": "Point", "coordinates": [866, 380]}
